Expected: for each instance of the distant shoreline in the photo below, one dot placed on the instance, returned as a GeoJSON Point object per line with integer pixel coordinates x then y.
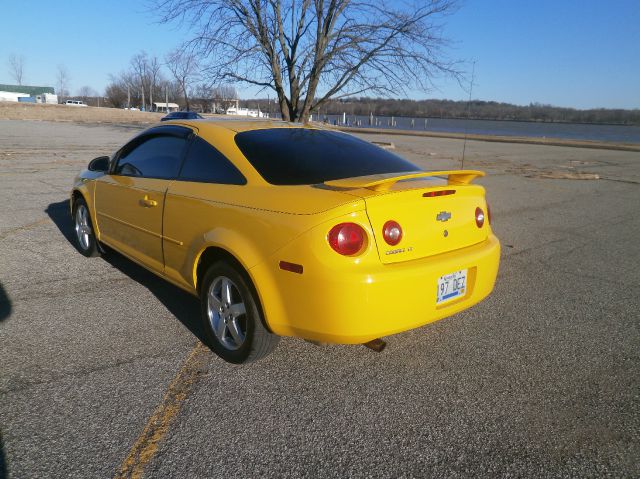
{"type": "Point", "coordinates": [94, 115]}
{"type": "Point", "coordinates": [480, 110]}
{"type": "Point", "coordinates": [477, 118]}
{"type": "Point", "coordinates": [600, 145]}
{"type": "Point", "coordinates": [516, 120]}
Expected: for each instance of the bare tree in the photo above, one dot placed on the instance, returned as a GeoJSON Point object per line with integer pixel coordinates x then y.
{"type": "Point", "coordinates": [116, 93]}
{"type": "Point", "coordinates": [202, 98]}
{"type": "Point", "coordinates": [16, 68]}
{"type": "Point", "coordinates": [203, 90]}
{"type": "Point", "coordinates": [62, 80]}
{"type": "Point", "coordinates": [184, 67]}
{"type": "Point", "coordinates": [309, 51]}
{"type": "Point", "coordinates": [174, 89]}
{"type": "Point", "coordinates": [224, 96]}
{"type": "Point", "coordinates": [122, 90]}
{"type": "Point", "coordinates": [154, 77]}
{"type": "Point", "coordinates": [87, 92]}
{"type": "Point", "coordinates": [139, 64]}
{"type": "Point", "coordinates": [130, 82]}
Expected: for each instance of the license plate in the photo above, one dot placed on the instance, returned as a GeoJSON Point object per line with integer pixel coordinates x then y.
{"type": "Point", "coordinates": [451, 286]}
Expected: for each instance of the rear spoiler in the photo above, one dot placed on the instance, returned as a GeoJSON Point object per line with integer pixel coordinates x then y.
{"type": "Point", "coordinates": [384, 182]}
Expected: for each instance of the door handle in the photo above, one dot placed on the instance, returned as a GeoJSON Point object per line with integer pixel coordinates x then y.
{"type": "Point", "coordinates": [147, 202]}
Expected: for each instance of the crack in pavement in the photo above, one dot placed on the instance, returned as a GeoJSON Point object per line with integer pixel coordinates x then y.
{"type": "Point", "coordinates": [26, 385]}
{"type": "Point", "coordinates": [28, 226]}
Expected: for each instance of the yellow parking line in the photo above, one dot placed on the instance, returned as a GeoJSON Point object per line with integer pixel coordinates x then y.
{"type": "Point", "coordinates": [158, 424]}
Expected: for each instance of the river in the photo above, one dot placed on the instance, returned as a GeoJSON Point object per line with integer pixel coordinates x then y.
{"type": "Point", "coordinates": [568, 131]}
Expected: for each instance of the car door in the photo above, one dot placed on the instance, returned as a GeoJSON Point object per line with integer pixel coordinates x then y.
{"type": "Point", "coordinates": [129, 201]}
{"type": "Point", "coordinates": [195, 203]}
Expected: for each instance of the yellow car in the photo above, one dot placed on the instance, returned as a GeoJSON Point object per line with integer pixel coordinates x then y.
{"type": "Point", "coordinates": [289, 230]}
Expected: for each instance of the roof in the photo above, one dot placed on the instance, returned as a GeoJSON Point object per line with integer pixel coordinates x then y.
{"type": "Point", "coordinates": [29, 90]}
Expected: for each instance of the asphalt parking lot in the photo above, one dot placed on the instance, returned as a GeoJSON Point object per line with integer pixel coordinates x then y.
{"type": "Point", "coordinates": [101, 374]}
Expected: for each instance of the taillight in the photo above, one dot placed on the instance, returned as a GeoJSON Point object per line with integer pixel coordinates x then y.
{"type": "Point", "coordinates": [392, 232]}
{"type": "Point", "coordinates": [347, 238]}
{"type": "Point", "coordinates": [479, 217]}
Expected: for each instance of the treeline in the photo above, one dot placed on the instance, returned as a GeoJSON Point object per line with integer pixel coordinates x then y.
{"type": "Point", "coordinates": [177, 78]}
{"type": "Point", "coordinates": [476, 109]}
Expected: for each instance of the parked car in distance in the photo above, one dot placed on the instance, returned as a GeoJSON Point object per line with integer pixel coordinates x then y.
{"type": "Point", "coordinates": [182, 115]}
{"type": "Point", "coordinates": [289, 230]}
{"type": "Point", "coordinates": [75, 103]}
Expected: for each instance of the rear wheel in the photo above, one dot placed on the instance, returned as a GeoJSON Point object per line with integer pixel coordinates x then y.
{"type": "Point", "coordinates": [85, 237]}
{"type": "Point", "coordinates": [231, 317]}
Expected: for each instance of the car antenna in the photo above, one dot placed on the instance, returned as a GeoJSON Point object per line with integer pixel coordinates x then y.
{"type": "Point", "coordinates": [466, 124]}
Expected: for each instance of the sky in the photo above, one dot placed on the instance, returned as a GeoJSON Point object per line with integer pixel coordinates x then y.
{"type": "Point", "coordinates": [571, 53]}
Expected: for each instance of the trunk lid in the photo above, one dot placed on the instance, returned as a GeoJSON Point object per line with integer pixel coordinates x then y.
{"type": "Point", "coordinates": [436, 214]}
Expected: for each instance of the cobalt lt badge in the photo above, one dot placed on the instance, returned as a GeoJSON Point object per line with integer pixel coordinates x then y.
{"type": "Point", "coordinates": [443, 216]}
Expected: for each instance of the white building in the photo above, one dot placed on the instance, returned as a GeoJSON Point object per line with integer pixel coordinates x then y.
{"type": "Point", "coordinates": [164, 107]}
{"type": "Point", "coordinates": [40, 94]}
{"type": "Point", "coordinates": [11, 96]}
{"type": "Point", "coordinates": [246, 112]}
{"type": "Point", "coordinates": [47, 98]}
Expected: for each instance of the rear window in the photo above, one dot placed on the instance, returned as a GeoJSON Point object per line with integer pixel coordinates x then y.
{"type": "Point", "coordinates": [206, 164]}
{"type": "Point", "coordinates": [302, 156]}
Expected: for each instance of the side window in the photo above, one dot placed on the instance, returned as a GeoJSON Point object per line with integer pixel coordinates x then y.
{"type": "Point", "coordinates": [206, 164]}
{"type": "Point", "coordinates": [154, 157]}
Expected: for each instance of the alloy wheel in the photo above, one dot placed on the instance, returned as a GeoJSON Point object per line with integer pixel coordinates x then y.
{"type": "Point", "coordinates": [83, 228]}
{"type": "Point", "coordinates": [227, 313]}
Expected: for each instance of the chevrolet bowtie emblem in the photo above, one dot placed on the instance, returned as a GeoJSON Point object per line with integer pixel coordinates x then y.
{"type": "Point", "coordinates": [443, 216]}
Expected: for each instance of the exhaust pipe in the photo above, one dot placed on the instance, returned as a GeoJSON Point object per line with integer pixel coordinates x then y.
{"type": "Point", "coordinates": [376, 345]}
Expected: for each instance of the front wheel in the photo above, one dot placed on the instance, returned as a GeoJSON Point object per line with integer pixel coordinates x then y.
{"type": "Point", "coordinates": [231, 316]}
{"type": "Point", "coordinates": [85, 237]}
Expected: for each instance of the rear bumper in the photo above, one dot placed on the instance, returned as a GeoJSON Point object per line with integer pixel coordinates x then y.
{"type": "Point", "coordinates": [356, 305]}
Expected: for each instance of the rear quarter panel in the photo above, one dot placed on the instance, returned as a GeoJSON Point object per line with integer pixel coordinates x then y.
{"type": "Point", "coordinates": [198, 216]}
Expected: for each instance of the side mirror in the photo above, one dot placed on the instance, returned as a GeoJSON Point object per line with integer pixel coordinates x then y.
{"type": "Point", "coordinates": [99, 164]}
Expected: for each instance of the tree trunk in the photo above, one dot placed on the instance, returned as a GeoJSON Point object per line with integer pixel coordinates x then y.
{"type": "Point", "coordinates": [294, 114]}
{"type": "Point", "coordinates": [284, 108]}
{"type": "Point", "coordinates": [306, 113]}
{"type": "Point", "coordinates": [186, 97]}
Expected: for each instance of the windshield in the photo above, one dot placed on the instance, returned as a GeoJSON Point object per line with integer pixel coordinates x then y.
{"type": "Point", "coordinates": [304, 156]}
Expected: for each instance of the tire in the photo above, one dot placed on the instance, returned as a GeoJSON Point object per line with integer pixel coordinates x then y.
{"type": "Point", "coordinates": [231, 316]}
{"type": "Point", "coordinates": [85, 238]}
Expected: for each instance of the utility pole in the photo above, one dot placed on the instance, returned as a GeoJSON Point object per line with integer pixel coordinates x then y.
{"type": "Point", "coordinates": [466, 128]}
{"type": "Point", "coordinates": [128, 97]}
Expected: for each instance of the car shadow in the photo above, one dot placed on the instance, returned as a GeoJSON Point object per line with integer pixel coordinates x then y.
{"type": "Point", "coordinates": [185, 307]}
{"type": "Point", "coordinates": [61, 216]}
{"type": "Point", "coordinates": [5, 306]}
{"type": "Point", "coordinates": [3, 461]}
